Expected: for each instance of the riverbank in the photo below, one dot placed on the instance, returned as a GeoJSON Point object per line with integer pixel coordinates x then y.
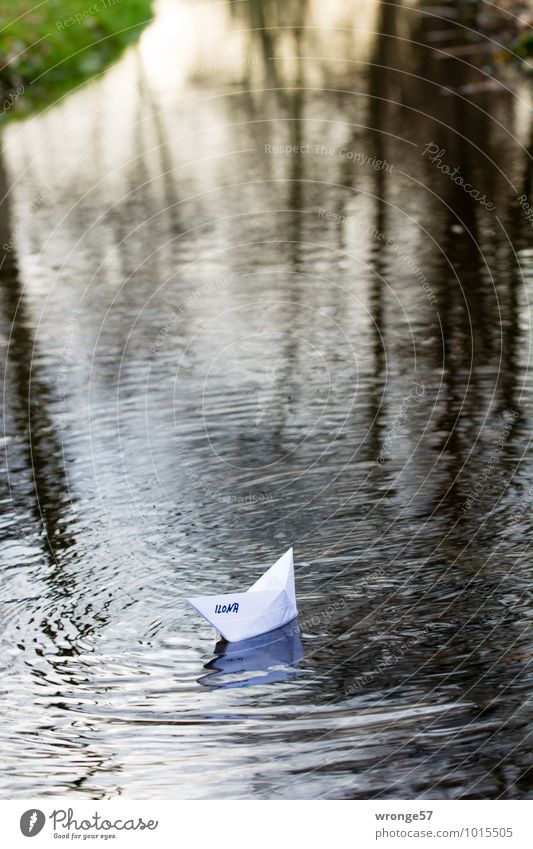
{"type": "Point", "coordinates": [48, 49]}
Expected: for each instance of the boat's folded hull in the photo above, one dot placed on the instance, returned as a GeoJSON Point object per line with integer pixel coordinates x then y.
{"type": "Point", "coordinates": [268, 604]}
{"type": "Point", "coordinates": [239, 616]}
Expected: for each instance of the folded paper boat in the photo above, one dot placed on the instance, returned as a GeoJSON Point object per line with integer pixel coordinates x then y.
{"type": "Point", "coordinates": [268, 604]}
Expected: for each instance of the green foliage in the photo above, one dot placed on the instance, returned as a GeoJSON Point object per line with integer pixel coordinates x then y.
{"type": "Point", "coordinates": [524, 47]}
{"type": "Point", "coordinates": [53, 46]}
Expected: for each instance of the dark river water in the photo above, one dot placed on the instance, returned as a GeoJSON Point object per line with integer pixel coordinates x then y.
{"type": "Point", "coordinates": [247, 303]}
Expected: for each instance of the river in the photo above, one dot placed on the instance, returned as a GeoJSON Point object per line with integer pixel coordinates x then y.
{"type": "Point", "coordinates": [247, 303]}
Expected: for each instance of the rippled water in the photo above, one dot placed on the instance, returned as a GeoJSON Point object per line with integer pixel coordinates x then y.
{"type": "Point", "coordinates": [216, 349]}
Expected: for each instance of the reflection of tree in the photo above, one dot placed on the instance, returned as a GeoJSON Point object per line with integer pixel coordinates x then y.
{"type": "Point", "coordinates": [277, 29]}
{"type": "Point", "coordinates": [473, 273]}
{"type": "Point", "coordinates": [275, 24]}
{"type": "Point", "coordinates": [30, 397]}
{"type": "Point", "coordinates": [55, 618]}
{"type": "Point", "coordinates": [378, 109]}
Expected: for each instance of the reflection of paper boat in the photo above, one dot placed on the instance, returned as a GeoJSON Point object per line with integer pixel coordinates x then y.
{"type": "Point", "coordinates": [268, 604]}
{"type": "Point", "coordinates": [260, 660]}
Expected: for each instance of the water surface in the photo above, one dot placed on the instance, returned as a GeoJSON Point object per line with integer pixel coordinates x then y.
{"type": "Point", "coordinates": [242, 309]}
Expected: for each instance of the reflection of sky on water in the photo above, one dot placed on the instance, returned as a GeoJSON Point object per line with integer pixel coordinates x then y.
{"type": "Point", "coordinates": [265, 659]}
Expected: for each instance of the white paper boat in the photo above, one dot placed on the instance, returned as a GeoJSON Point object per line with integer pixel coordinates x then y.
{"type": "Point", "coordinates": [268, 604]}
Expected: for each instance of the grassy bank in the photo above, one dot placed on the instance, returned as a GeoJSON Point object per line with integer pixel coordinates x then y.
{"type": "Point", "coordinates": [47, 49]}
